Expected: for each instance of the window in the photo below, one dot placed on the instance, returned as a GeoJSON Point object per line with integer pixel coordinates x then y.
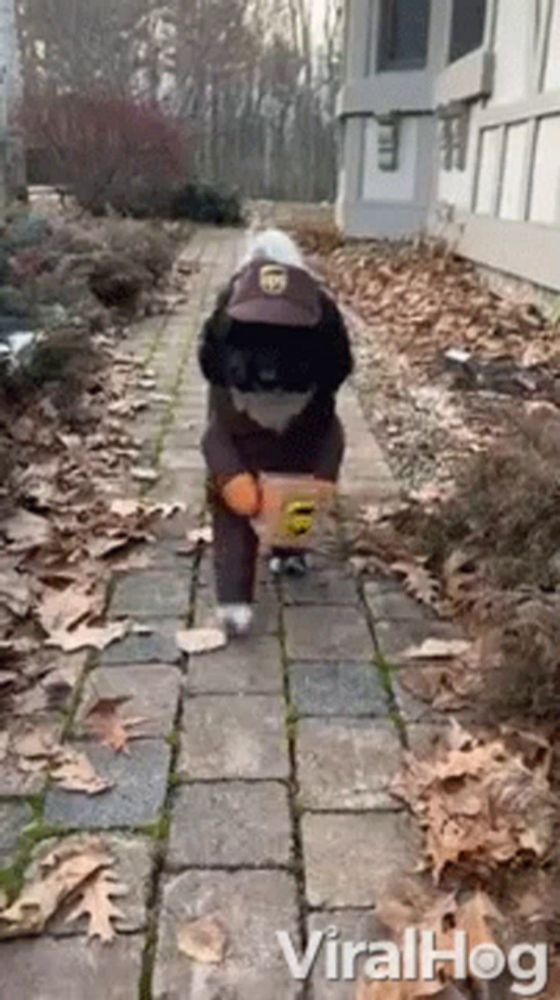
{"type": "Point", "coordinates": [403, 42]}
{"type": "Point", "coordinates": [467, 27]}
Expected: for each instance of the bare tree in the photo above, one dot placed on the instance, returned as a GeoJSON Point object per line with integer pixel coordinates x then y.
{"type": "Point", "coordinates": [252, 80]}
{"type": "Point", "coordinates": [12, 173]}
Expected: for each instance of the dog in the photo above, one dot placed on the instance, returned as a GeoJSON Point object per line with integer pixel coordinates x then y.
{"type": "Point", "coordinates": [275, 351]}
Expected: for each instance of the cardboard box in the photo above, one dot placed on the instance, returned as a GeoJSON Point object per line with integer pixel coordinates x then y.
{"type": "Point", "coordinates": [293, 508]}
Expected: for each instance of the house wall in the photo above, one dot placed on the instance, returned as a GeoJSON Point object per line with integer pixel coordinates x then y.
{"type": "Point", "coordinates": [503, 208]}
{"type": "Point", "coordinates": [374, 201]}
{"type": "Point", "coordinates": [495, 194]}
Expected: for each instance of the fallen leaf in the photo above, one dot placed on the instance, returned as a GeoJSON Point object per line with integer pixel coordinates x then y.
{"type": "Point", "coordinates": [200, 640]}
{"type": "Point", "coordinates": [437, 649]}
{"type": "Point", "coordinates": [419, 582]}
{"type": "Point", "coordinates": [203, 941]}
{"type": "Point", "coordinates": [201, 536]}
{"type": "Point", "coordinates": [25, 530]}
{"type": "Point", "coordinates": [14, 593]}
{"type": "Point", "coordinates": [144, 475]}
{"type": "Point", "coordinates": [74, 772]}
{"type": "Point", "coordinates": [104, 720]}
{"type": "Point", "coordinates": [63, 609]}
{"type": "Point", "coordinates": [96, 903]}
{"type": "Point", "coordinates": [62, 872]}
{"type": "Point", "coordinates": [98, 637]}
{"type": "Point", "coordinates": [126, 508]}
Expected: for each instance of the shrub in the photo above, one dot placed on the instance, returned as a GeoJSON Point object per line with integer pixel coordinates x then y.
{"type": "Point", "coordinates": [110, 151]}
{"type": "Point", "coordinates": [203, 202]}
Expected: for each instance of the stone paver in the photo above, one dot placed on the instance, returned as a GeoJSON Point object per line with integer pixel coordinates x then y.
{"type": "Point", "coordinates": [151, 692]}
{"type": "Point", "coordinates": [156, 645]}
{"type": "Point", "coordinates": [151, 594]}
{"type": "Point", "coordinates": [252, 666]}
{"type": "Point", "coordinates": [341, 633]}
{"type": "Point", "coordinates": [241, 737]}
{"type": "Point", "coordinates": [230, 825]}
{"type": "Point", "coordinates": [137, 795]}
{"type": "Point", "coordinates": [252, 907]}
{"type": "Point", "coordinates": [322, 587]}
{"type": "Point", "coordinates": [337, 689]}
{"type": "Point", "coordinates": [347, 764]}
{"type": "Point", "coordinates": [395, 637]}
{"type": "Point", "coordinates": [387, 602]}
{"type": "Point", "coordinates": [354, 860]}
{"type": "Point", "coordinates": [14, 817]}
{"type": "Point", "coordinates": [49, 969]}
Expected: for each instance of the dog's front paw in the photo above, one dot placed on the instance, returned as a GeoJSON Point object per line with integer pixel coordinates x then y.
{"type": "Point", "coordinates": [236, 618]}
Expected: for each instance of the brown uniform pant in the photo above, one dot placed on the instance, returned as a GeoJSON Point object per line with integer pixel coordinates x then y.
{"type": "Point", "coordinates": [235, 543]}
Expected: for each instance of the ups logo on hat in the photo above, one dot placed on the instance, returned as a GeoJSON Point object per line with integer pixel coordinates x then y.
{"type": "Point", "coordinates": [273, 279]}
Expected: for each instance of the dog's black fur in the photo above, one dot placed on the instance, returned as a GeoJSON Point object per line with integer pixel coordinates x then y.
{"type": "Point", "coordinates": [255, 357]}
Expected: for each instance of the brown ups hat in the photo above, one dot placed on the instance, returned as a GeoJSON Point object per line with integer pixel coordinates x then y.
{"type": "Point", "coordinates": [279, 294]}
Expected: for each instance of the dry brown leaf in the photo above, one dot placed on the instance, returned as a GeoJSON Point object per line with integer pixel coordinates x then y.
{"type": "Point", "coordinates": [144, 475]}
{"type": "Point", "coordinates": [74, 772]}
{"type": "Point", "coordinates": [438, 649]}
{"type": "Point", "coordinates": [126, 508]}
{"type": "Point", "coordinates": [203, 941]}
{"type": "Point", "coordinates": [104, 720]}
{"type": "Point", "coordinates": [14, 593]}
{"type": "Point", "coordinates": [96, 903]}
{"type": "Point", "coordinates": [419, 583]}
{"type": "Point", "coordinates": [476, 917]}
{"type": "Point", "coordinates": [201, 536]}
{"type": "Point", "coordinates": [25, 530]}
{"type": "Point", "coordinates": [64, 609]}
{"type": "Point", "coordinates": [200, 640]}
{"type": "Point", "coordinates": [65, 869]}
{"type": "Point", "coordinates": [84, 636]}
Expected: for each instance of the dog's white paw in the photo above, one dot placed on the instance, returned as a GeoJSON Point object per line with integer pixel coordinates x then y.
{"type": "Point", "coordinates": [236, 618]}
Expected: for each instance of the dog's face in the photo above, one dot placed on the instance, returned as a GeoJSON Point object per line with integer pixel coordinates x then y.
{"type": "Point", "coordinates": [261, 358]}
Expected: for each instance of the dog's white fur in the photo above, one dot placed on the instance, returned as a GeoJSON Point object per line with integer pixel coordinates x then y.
{"type": "Point", "coordinates": [235, 618]}
{"type": "Point", "coordinates": [273, 244]}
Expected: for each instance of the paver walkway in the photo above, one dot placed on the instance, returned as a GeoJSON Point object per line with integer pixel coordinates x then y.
{"type": "Point", "coordinates": [259, 791]}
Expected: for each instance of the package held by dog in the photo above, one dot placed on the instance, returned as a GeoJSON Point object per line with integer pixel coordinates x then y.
{"type": "Point", "coordinates": [292, 509]}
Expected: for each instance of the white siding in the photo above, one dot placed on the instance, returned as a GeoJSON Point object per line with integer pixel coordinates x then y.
{"type": "Point", "coordinates": [552, 74]}
{"type": "Point", "coordinates": [391, 185]}
{"type": "Point", "coordinates": [545, 201]}
{"type": "Point", "coordinates": [512, 202]}
{"type": "Point", "coordinates": [513, 43]}
{"type": "Point", "coordinates": [488, 171]}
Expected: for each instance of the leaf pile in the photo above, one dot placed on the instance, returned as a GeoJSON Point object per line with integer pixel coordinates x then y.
{"type": "Point", "coordinates": [423, 299]}
{"type": "Point", "coordinates": [33, 748]}
{"type": "Point", "coordinates": [482, 802]}
{"type": "Point", "coordinates": [64, 526]}
{"type": "Point", "coordinates": [445, 915]}
{"type": "Point", "coordinates": [77, 873]}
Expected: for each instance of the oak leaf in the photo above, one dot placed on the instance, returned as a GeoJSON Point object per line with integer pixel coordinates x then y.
{"type": "Point", "coordinates": [104, 720]}
{"type": "Point", "coordinates": [96, 903]}
{"type": "Point", "coordinates": [61, 873]}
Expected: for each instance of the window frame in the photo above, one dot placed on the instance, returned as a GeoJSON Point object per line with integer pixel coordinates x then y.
{"type": "Point", "coordinates": [387, 12]}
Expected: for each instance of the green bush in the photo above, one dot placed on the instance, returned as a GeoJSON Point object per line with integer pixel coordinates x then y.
{"type": "Point", "coordinates": [200, 201]}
